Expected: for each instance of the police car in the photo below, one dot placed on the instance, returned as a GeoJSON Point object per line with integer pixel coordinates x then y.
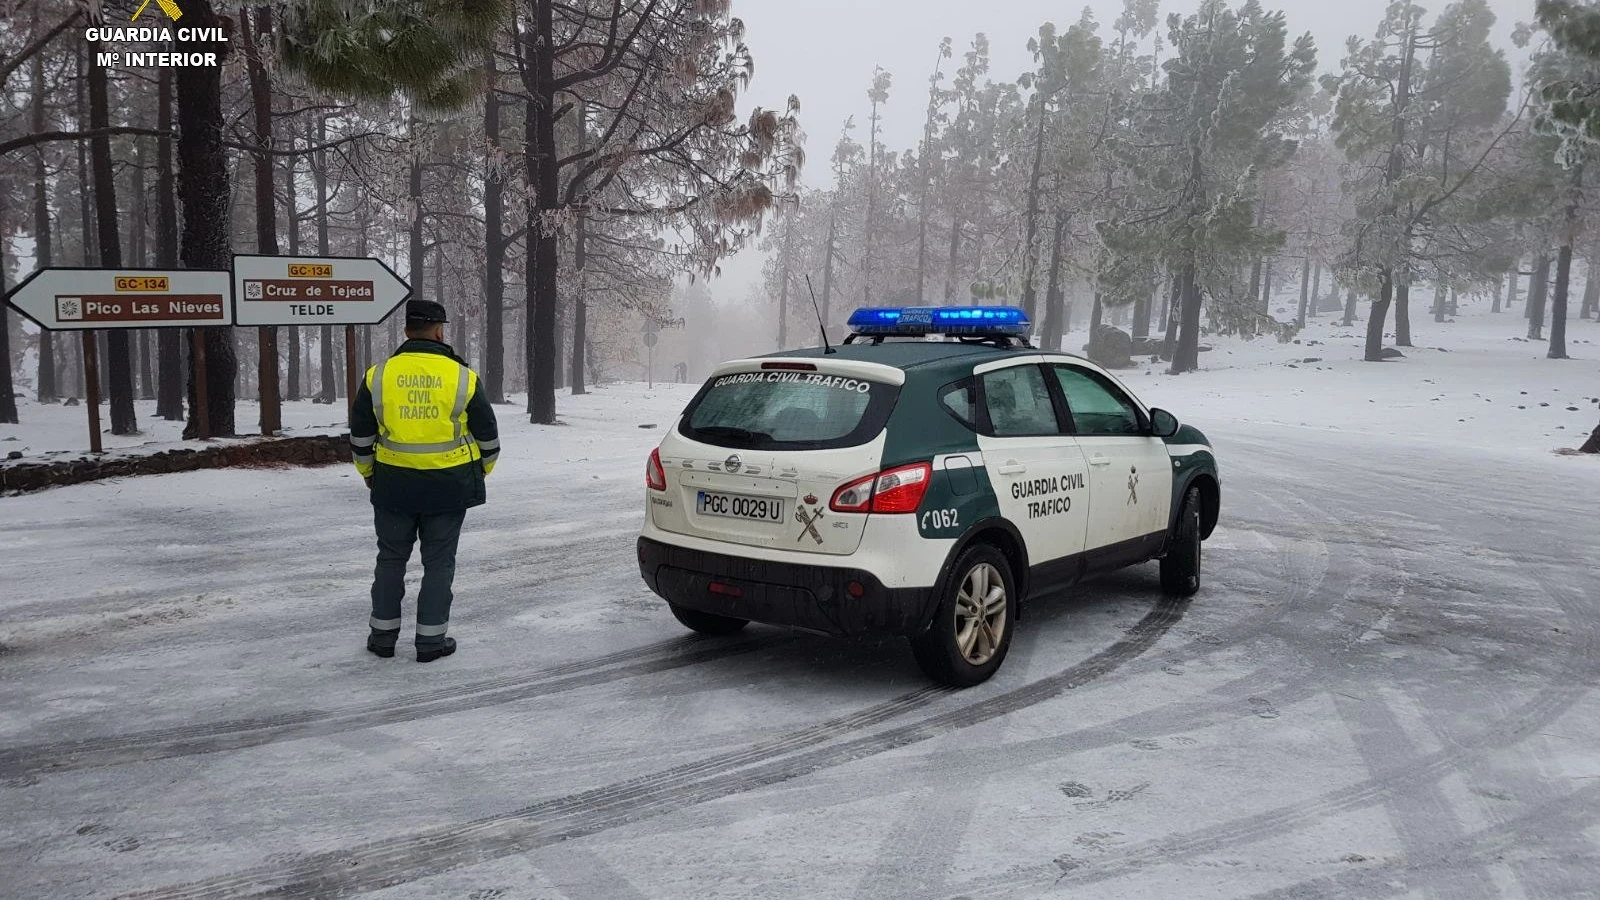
{"type": "Point", "coordinates": [923, 479]}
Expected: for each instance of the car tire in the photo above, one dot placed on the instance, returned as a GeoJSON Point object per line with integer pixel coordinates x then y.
{"type": "Point", "coordinates": [706, 623]}
{"type": "Point", "coordinates": [1180, 568]}
{"type": "Point", "coordinates": [960, 647]}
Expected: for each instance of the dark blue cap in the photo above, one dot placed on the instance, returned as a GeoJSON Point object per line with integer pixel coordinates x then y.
{"type": "Point", "coordinates": [424, 311]}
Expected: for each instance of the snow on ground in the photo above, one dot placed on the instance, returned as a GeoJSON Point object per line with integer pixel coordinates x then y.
{"type": "Point", "coordinates": [54, 431]}
{"type": "Point", "coordinates": [1385, 688]}
{"type": "Point", "coordinates": [1474, 383]}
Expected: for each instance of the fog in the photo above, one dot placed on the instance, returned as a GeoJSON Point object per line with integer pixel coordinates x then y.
{"type": "Point", "coordinates": [824, 52]}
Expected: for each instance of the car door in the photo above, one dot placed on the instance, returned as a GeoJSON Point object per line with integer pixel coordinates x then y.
{"type": "Point", "coordinates": [1130, 472]}
{"type": "Point", "coordinates": [1039, 475]}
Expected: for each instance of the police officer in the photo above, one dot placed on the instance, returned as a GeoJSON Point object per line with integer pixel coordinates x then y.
{"type": "Point", "coordinates": [423, 435]}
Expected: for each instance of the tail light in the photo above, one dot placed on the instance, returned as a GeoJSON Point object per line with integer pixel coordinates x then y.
{"type": "Point", "coordinates": [897, 490]}
{"type": "Point", "coordinates": [655, 477]}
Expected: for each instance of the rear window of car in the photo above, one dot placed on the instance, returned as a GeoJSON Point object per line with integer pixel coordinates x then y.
{"type": "Point", "coordinates": [785, 410]}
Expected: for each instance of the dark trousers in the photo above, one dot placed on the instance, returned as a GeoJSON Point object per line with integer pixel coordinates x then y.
{"type": "Point", "coordinates": [397, 532]}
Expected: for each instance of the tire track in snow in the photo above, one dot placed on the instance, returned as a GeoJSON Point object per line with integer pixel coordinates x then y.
{"type": "Point", "coordinates": [190, 740]}
{"type": "Point", "coordinates": [396, 861]}
{"type": "Point", "coordinates": [1565, 687]}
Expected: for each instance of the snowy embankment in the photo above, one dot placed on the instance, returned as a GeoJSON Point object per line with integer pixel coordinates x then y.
{"type": "Point", "coordinates": [1472, 383]}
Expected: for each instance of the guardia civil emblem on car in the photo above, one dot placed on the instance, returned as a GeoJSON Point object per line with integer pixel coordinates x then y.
{"type": "Point", "coordinates": [926, 479]}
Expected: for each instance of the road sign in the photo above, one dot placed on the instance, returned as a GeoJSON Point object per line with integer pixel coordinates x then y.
{"type": "Point", "coordinates": [309, 290]}
{"type": "Point", "coordinates": [63, 299]}
{"type": "Point", "coordinates": [650, 338]}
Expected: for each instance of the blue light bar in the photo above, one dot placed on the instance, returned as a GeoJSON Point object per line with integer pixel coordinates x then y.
{"type": "Point", "coordinates": [920, 321]}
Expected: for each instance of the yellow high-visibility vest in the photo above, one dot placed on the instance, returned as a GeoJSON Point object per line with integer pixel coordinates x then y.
{"type": "Point", "coordinates": [420, 401]}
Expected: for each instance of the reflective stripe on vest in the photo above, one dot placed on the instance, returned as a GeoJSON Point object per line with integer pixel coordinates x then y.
{"type": "Point", "coordinates": [410, 414]}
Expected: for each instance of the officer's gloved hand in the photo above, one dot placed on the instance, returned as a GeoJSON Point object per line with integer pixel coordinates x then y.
{"type": "Point", "coordinates": [368, 480]}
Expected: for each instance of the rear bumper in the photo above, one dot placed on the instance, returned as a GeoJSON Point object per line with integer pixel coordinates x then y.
{"type": "Point", "coordinates": [815, 598]}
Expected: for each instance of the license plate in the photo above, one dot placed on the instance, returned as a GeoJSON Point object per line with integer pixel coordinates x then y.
{"type": "Point", "coordinates": [734, 506]}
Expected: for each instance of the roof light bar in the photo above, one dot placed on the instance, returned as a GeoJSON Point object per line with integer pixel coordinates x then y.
{"type": "Point", "coordinates": [920, 321]}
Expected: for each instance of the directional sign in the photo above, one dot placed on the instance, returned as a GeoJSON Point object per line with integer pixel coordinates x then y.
{"type": "Point", "coordinates": [309, 290]}
{"type": "Point", "coordinates": [61, 299]}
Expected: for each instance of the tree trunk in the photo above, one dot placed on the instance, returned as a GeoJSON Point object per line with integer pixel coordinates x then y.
{"type": "Point", "coordinates": [785, 275]}
{"type": "Point", "coordinates": [1305, 292]}
{"type": "Point", "coordinates": [328, 380]}
{"type": "Point", "coordinates": [138, 229]}
{"type": "Point", "coordinates": [1255, 290]}
{"type": "Point", "coordinates": [45, 384]}
{"type": "Point", "coordinates": [494, 242]}
{"type": "Point", "coordinates": [293, 341]}
{"type": "Point", "coordinates": [1451, 305]}
{"type": "Point", "coordinates": [271, 420]}
{"type": "Point", "coordinates": [954, 261]}
{"type": "Point", "coordinates": [1438, 299]}
{"type": "Point", "coordinates": [1030, 253]}
{"type": "Point", "coordinates": [1511, 283]}
{"type": "Point", "coordinates": [1186, 354]}
{"type": "Point", "coordinates": [1537, 294]}
{"type": "Point", "coordinates": [8, 402]}
{"type": "Point", "coordinates": [1141, 316]}
{"type": "Point", "coordinates": [827, 269]}
{"type": "Point", "coordinates": [544, 255]}
{"type": "Point", "coordinates": [203, 190]}
{"type": "Point", "coordinates": [1591, 286]}
{"type": "Point", "coordinates": [1379, 314]}
{"type": "Point", "coordinates": [1558, 303]}
{"type": "Point", "coordinates": [1052, 294]}
{"type": "Point", "coordinates": [1499, 285]}
{"type": "Point", "coordinates": [1316, 289]}
{"type": "Point", "coordinates": [119, 364]}
{"type": "Point", "coordinates": [169, 394]}
{"type": "Point", "coordinates": [1402, 310]}
{"type": "Point", "coordinates": [871, 236]}
{"type": "Point", "coordinates": [1349, 308]}
{"type": "Point", "coordinates": [580, 306]}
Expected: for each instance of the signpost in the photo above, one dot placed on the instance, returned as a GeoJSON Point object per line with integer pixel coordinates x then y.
{"type": "Point", "coordinates": [83, 300]}
{"type": "Point", "coordinates": [312, 290]}
{"type": "Point", "coordinates": [261, 291]}
{"type": "Point", "coordinates": [650, 338]}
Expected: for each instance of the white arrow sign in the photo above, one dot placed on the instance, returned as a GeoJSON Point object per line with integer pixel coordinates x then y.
{"type": "Point", "coordinates": [76, 299]}
{"type": "Point", "coordinates": [311, 290]}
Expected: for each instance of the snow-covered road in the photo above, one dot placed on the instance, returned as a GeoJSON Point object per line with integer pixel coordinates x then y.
{"type": "Point", "coordinates": [1386, 688]}
{"type": "Point", "coordinates": [1379, 691]}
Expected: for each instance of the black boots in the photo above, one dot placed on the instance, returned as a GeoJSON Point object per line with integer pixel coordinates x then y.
{"type": "Point", "coordinates": [431, 653]}
{"type": "Point", "coordinates": [381, 643]}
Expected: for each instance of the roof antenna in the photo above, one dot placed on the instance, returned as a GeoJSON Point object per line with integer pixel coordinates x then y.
{"type": "Point", "coordinates": [826, 347]}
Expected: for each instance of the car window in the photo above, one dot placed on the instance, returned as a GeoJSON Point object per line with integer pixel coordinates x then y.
{"type": "Point", "coordinates": [961, 400]}
{"type": "Point", "coordinates": [775, 410]}
{"type": "Point", "coordinates": [1018, 402]}
{"type": "Point", "coordinates": [1097, 406]}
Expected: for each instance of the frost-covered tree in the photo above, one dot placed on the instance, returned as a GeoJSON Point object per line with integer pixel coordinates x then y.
{"type": "Point", "coordinates": [1208, 132]}
{"type": "Point", "coordinates": [1420, 111]}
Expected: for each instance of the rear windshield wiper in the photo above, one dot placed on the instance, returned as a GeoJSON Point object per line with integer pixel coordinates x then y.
{"type": "Point", "coordinates": [737, 434]}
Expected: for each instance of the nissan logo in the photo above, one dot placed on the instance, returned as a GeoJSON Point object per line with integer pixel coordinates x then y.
{"type": "Point", "coordinates": [733, 463]}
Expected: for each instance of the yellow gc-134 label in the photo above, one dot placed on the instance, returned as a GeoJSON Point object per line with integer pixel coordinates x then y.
{"type": "Point", "coordinates": [310, 270]}
{"type": "Point", "coordinates": [141, 283]}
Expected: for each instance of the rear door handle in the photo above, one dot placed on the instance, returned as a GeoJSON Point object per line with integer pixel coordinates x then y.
{"type": "Point", "coordinates": [1012, 467]}
{"type": "Point", "coordinates": [1099, 460]}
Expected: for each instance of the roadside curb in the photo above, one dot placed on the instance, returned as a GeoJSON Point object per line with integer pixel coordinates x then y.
{"type": "Point", "coordinates": [312, 450]}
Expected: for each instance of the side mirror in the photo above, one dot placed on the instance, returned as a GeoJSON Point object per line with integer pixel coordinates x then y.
{"type": "Point", "coordinates": [1162, 423]}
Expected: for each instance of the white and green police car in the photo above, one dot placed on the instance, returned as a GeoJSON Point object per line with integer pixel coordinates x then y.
{"type": "Point", "coordinates": [912, 485]}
